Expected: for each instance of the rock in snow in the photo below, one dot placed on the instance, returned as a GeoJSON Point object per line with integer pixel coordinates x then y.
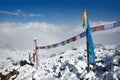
{"type": "Point", "coordinates": [70, 65]}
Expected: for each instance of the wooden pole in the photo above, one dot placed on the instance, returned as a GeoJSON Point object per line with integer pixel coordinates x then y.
{"type": "Point", "coordinates": [88, 60]}
{"type": "Point", "coordinates": [32, 76]}
{"type": "Point", "coordinates": [35, 45]}
{"type": "Point", "coordinates": [87, 45]}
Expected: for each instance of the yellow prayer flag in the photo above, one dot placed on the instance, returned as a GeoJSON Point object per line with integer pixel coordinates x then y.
{"type": "Point", "coordinates": [85, 18]}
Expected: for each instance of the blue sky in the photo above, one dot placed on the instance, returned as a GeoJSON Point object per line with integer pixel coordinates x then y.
{"type": "Point", "coordinates": [52, 21]}
{"type": "Point", "coordinates": [58, 11]}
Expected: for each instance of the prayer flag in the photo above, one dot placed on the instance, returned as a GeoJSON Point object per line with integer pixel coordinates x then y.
{"type": "Point", "coordinates": [90, 44]}
{"type": "Point", "coordinates": [55, 45]}
{"type": "Point", "coordinates": [47, 47]}
{"type": "Point", "coordinates": [42, 47]}
{"type": "Point", "coordinates": [63, 43]}
{"type": "Point", "coordinates": [99, 28]}
{"type": "Point", "coordinates": [83, 34]}
{"type": "Point", "coordinates": [108, 26]}
{"type": "Point", "coordinates": [34, 57]}
{"type": "Point", "coordinates": [117, 24]}
{"type": "Point", "coordinates": [74, 38]}
{"type": "Point", "coordinates": [84, 19]}
{"type": "Point", "coordinates": [93, 29]}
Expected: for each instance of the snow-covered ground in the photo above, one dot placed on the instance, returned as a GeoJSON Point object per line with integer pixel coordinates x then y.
{"type": "Point", "coordinates": [68, 65]}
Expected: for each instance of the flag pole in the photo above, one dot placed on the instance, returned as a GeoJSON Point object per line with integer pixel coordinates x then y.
{"type": "Point", "coordinates": [88, 60]}
{"type": "Point", "coordinates": [35, 45]}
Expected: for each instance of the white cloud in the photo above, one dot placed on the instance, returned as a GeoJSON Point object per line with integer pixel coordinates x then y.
{"type": "Point", "coordinates": [20, 13]}
{"type": "Point", "coordinates": [35, 15]}
{"type": "Point", "coordinates": [9, 13]}
{"type": "Point", "coordinates": [21, 35]}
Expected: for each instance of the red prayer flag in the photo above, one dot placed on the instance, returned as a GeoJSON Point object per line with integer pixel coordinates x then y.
{"type": "Point", "coordinates": [55, 45]}
{"type": "Point", "coordinates": [34, 57]}
{"type": "Point", "coordinates": [74, 38]}
{"type": "Point", "coordinates": [87, 43]}
{"type": "Point", "coordinates": [99, 28]}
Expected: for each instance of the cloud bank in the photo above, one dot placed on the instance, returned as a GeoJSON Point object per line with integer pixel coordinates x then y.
{"type": "Point", "coordinates": [20, 35]}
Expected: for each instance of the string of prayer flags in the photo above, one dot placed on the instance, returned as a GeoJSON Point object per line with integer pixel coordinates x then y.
{"type": "Point", "coordinates": [81, 35]}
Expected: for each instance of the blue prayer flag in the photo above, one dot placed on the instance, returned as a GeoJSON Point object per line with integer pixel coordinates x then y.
{"type": "Point", "coordinates": [90, 44]}
{"type": "Point", "coordinates": [83, 34]}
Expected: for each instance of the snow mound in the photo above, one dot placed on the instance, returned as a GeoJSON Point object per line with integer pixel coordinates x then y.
{"type": "Point", "coordinates": [69, 65]}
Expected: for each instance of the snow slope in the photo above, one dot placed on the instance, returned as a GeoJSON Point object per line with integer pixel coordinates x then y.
{"type": "Point", "coordinates": [68, 65]}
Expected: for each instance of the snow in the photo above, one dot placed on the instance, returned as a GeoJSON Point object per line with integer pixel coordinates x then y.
{"type": "Point", "coordinates": [68, 65]}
